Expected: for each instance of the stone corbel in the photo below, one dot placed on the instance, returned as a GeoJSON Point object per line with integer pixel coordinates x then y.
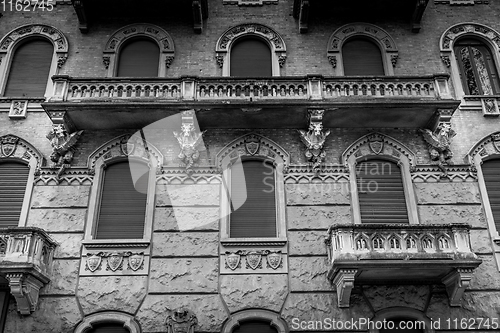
{"type": "Point", "coordinates": [25, 289]}
{"type": "Point", "coordinates": [417, 15]}
{"type": "Point", "coordinates": [81, 14]}
{"type": "Point", "coordinates": [314, 139]}
{"type": "Point", "coordinates": [344, 282]}
{"type": "Point", "coordinates": [200, 12]}
{"type": "Point", "coordinates": [456, 282]}
{"type": "Point", "coordinates": [181, 320]}
{"type": "Point", "coordinates": [189, 140]}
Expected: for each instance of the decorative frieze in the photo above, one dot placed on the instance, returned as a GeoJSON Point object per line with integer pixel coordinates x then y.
{"type": "Point", "coordinates": [190, 138]}
{"type": "Point", "coordinates": [433, 174]}
{"type": "Point", "coordinates": [249, 2]}
{"type": "Point", "coordinates": [119, 262]}
{"type": "Point", "coordinates": [181, 320]}
{"type": "Point", "coordinates": [253, 260]}
{"type": "Point", "coordinates": [70, 177]}
{"type": "Point", "coordinates": [314, 139]}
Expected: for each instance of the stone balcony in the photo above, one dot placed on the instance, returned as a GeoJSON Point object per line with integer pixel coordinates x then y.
{"type": "Point", "coordinates": [277, 102]}
{"type": "Point", "coordinates": [400, 254]}
{"type": "Point", "coordinates": [26, 255]}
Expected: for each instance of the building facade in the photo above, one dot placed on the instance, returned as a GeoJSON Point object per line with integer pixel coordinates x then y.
{"type": "Point", "coordinates": [249, 166]}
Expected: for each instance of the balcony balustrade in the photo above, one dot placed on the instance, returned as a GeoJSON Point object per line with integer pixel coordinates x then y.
{"type": "Point", "coordinates": [26, 255]}
{"type": "Point", "coordinates": [399, 254]}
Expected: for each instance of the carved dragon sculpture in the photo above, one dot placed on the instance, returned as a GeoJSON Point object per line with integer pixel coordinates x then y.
{"type": "Point", "coordinates": [314, 140]}
{"type": "Point", "coordinates": [439, 144]}
{"type": "Point", "coordinates": [189, 141]}
{"type": "Point", "coordinates": [63, 147]}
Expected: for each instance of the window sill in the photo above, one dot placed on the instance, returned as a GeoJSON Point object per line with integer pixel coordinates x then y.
{"type": "Point", "coordinates": [116, 243]}
{"type": "Point", "coordinates": [255, 242]}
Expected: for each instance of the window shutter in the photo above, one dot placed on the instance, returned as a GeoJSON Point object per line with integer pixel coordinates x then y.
{"type": "Point", "coordinates": [13, 181]}
{"type": "Point", "coordinates": [139, 58]}
{"type": "Point", "coordinates": [257, 216]}
{"type": "Point", "coordinates": [29, 69]}
{"type": "Point", "coordinates": [255, 327]}
{"type": "Point", "coordinates": [123, 208]}
{"type": "Point", "coordinates": [362, 57]}
{"type": "Point", "coordinates": [491, 174]}
{"type": "Point", "coordinates": [250, 57]}
{"type": "Point", "coordinates": [381, 193]}
{"type": "Point", "coordinates": [109, 328]}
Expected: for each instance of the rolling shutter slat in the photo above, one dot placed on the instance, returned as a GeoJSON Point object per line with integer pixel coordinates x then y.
{"type": "Point", "coordinates": [255, 327]}
{"type": "Point", "coordinates": [257, 216]}
{"type": "Point", "coordinates": [362, 57]}
{"type": "Point", "coordinates": [13, 181]}
{"type": "Point", "coordinates": [381, 192]}
{"type": "Point", "coordinates": [250, 57]}
{"type": "Point", "coordinates": [491, 174]}
{"type": "Point", "coordinates": [109, 328]}
{"type": "Point", "coordinates": [139, 58]}
{"type": "Point", "coordinates": [123, 209]}
{"type": "Point", "coordinates": [30, 69]}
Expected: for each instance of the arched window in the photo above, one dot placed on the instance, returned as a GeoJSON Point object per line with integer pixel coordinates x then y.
{"type": "Point", "coordinates": [361, 56]}
{"type": "Point", "coordinates": [13, 182]}
{"type": "Point", "coordinates": [255, 326]}
{"type": "Point", "coordinates": [257, 216]}
{"type": "Point", "coordinates": [491, 175]}
{"type": "Point", "coordinates": [250, 57]}
{"type": "Point", "coordinates": [139, 57]}
{"type": "Point", "coordinates": [29, 69]}
{"type": "Point", "coordinates": [123, 203]}
{"type": "Point", "coordinates": [108, 328]}
{"type": "Point", "coordinates": [381, 192]}
{"type": "Point", "coordinates": [477, 67]}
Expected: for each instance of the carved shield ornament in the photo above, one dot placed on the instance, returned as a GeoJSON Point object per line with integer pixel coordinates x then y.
{"type": "Point", "coordinates": [135, 261]}
{"type": "Point", "coordinates": [252, 145]}
{"type": "Point", "coordinates": [127, 146]}
{"type": "Point", "coordinates": [114, 261]}
{"type": "Point", "coordinates": [376, 145]}
{"type": "Point", "coordinates": [274, 260]}
{"type": "Point", "coordinates": [93, 262]}
{"type": "Point", "coordinates": [9, 145]}
{"type": "Point", "coordinates": [253, 260]}
{"type": "Point", "coordinates": [232, 260]}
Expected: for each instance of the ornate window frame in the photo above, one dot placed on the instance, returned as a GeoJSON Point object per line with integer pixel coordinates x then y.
{"type": "Point", "coordinates": [257, 147]}
{"type": "Point", "coordinates": [275, 42]}
{"type": "Point", "coordinates": [14, 38]}
{"type": "Point", "coordinates": [486, 149]}
{"type": "Point", "coordinates": [16, 149]}
{"type": "Point", "coordinates": [236, 319]}
{"type": "Point", "coordinates": [121, 148]}
{"type": "Point", "coordinates": [381, 146]}
{"type": "Point", "coordinates": [385, 42]}
{"type": "Point", "coordinates": [399, 311]}
{"type": "Point", "coordinates": [127, 320]}
{"type": "Point", "coordinates": [121, 36]}
{"type": "Point", "coordinates": [491, 38]}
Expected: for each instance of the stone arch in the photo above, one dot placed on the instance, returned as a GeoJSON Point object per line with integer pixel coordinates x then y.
{"type": "Point", "coordinates": [127, 320]}
{"type": "Point", "coordinates": [380, 146]}
{"type": "Point", "coordinates": [381, 37]}
{"type": "Point", "coordinates": [237, 318]}
{"type": "Point", "coordinates": [401, 312]}
{"type": "Point", "coordinates": [154, 32]}
{"type": "Point", "coordinates": [275, 42]}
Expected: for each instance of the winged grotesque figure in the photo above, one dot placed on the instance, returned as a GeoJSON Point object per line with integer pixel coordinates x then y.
{"type": "Point", "coordinates": [189, 141]}
{"type": "Point", "coordinates": [314, 140]}
{"type": "Point", "coordinates": [439, 144]}
{"type": "Point", "coordinates": [63, 146]}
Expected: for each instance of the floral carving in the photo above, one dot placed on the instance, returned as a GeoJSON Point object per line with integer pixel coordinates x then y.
{"type": "Point", "coordinates": [439, 144]}
{"type": "Point", "coordinates": [333, 61]}
{"type": "Point", "coordinates": [394, 59]}
{"type": "Point", "coordinates": [446, 60]}
{"type": "Point", "coordinates": [314, 139]}
{"type": "Point", "coordinates": [61, 61]}
{"type": "Point", "coordinates": [168, 61]}
{"type": "Point", "coordinates": [106, 61]}
{"type": "Point", "coordinates": [18, 109]}
{"type": "Point", "coordinates": [63, 146]}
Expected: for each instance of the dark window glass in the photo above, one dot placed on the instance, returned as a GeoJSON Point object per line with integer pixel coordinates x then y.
{"type": "Point", "coordinates": [123, 205]}
{"type": "Point", "coordinates": [139, 58]}
{"type": "Point", "coordinates": [255, 327]}
{"type": "Point", "coordinates": [477, 68]}
{"type": "Point", "coordinates": [362, 57]}
{"type": "Point", "coordinates": [250, 57]}
{"type": "Point", "coordinates": [491, 174]}
{"type": "Point", "coordinates": [13, 181]}
{"type": "Point", "coordinates": [257, 216]}
{"type": "Point", "coordinates": [109, 328]}
{"type": "Point", "coordinates": [381, 193]}
{"type": "Point", "coordinates": [29, 69]}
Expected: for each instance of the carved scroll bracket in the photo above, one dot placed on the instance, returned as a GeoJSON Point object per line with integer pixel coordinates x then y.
{"type": "Point", "coordinates": [190, 139]}
{"type": "Point", "coordinates": [181, 320]}
{"type": "Point", "coordinates": [25, 289]}
{"type": "Point", "coordinates": [456, 283]}
{"type": "Point", "coordinates": [344, 282]}
{"type": "Point", "coordinates": [314, 139]}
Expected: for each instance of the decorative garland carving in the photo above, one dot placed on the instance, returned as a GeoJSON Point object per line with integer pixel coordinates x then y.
{"type": "Point", "coordinates": [275, 41]}
{"type": "Point", "coordinates": [35, 30]}
{"type": "Point", "coordinates": [63, 147]}
{"type": "Point", "coordinates": [375, 142]}
{"type": "Point", "coordinates": [314, 139]}
{"type": "Point", "coordinates": [12, 146]}
{"type": "Point", "coordinates": [181, 320]}
{"type": "Point", "coordinates": [449, 37]}
{"type": "Point", "coordinates": [189, 140]}
{"type": "Point", "coordinates": [165, 42]}
{"type": "Point", "coordinates": [342, 34]}
{"type": "Point", "coordinates": [253, 145]}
